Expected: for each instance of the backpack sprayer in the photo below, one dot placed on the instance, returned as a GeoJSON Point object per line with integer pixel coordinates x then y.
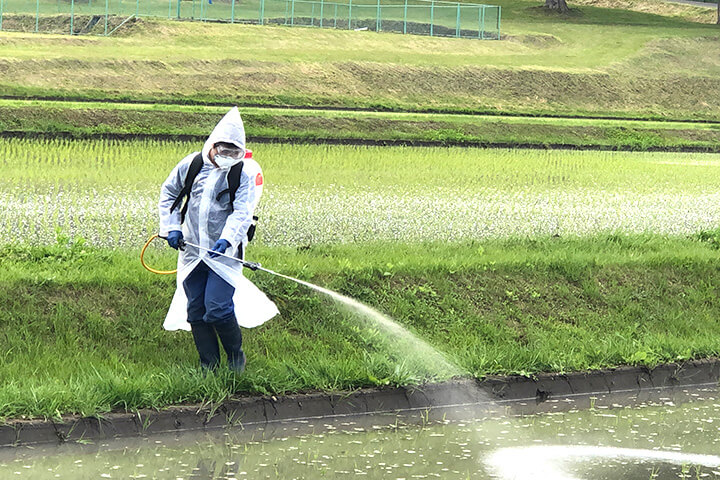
{"type": "Point", "coordinates": [251, 265]}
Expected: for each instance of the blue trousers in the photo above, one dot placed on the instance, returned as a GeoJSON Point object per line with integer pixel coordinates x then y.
{"type": "Point", "coordinates": [211, 314]}
{"type": "Point", "coordinates": [209, 296]}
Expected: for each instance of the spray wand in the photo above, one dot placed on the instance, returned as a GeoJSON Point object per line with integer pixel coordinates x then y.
{"type": "Point", "coordinates": [388, 324]}
{"type": "Point", "coordinates": [251, 265]}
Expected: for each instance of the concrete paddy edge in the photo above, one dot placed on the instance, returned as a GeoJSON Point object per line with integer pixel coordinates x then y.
{"type": "Point", "coordinates": [264, 410]}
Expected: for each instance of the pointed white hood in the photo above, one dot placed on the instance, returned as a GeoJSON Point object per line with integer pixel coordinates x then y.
{"type": "Point", "coordinates": [231, 130]}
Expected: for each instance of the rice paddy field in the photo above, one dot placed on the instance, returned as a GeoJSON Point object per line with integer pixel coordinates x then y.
{"type": "Point", "coordinates": [105, 192]}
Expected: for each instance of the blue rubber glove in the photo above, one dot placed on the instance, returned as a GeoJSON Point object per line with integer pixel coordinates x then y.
{"type": "Point", "coordinates": [175, 239]}
{"type": "Point", "coordinates": [220, 247]}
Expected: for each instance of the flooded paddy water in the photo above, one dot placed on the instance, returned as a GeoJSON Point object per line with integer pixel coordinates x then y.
{"type": "Point", "coordinates": [657, 434]}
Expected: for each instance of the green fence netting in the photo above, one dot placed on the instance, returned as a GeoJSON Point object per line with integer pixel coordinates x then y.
{"type": "Point", "coordinates": [102, 17]}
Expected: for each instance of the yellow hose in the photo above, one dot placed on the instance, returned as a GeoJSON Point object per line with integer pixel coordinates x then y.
{"type": "Point", "coordinates": [142, 259]}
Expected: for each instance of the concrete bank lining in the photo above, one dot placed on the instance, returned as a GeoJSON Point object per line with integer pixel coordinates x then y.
{"type": "Point", "coordinates": [259, 411]}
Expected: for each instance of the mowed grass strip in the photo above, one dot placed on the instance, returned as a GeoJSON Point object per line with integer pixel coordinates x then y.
{"type": "Point", "coordinates": [95, 119]}
{"type": "Point", "coordinates": [81, 327]}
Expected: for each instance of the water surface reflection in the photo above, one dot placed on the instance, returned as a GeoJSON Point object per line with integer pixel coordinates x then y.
{"type": "Point", "coordinates": [660, 435]}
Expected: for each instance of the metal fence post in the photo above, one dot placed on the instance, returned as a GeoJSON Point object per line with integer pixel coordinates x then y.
{"type": "Point", "coordinates": [405, 18]}
{"type": "Point", "coordinates": [2, 4]}
{"type": "Point", "coordinates": [312, 14]}
{"type": "Point", "coordinates": [483, 23]}
{"type": "Point", "coordinates": [169, 9]}
{"type": "Point", "coordinates": [72, 17]}
{"type": "Point", "coordinates": [107, 13]}
{"type": "Point", "coordinates": [335, 21]}
{"type": "Point", "coordinates": [232, 12]}
{"type": "Point", "coordinates": [178, 9]}
{"type": "Point", "coordinates": [292, 13]}
{"type": "Point", "coordinates": [377, 19]}
{"type": "Point", "coordinates": [457, 24]}
{"type": "Point", "coordinates": [322, 5]}
{"type": "Point", "coordinates": [350, 15]}
{"type": "Point", "coordinates": [432, 16]}
{"type": "Point", "coordinates": [37, 16]}
{"type": "Point", "coordinates": [262, 12]}
{"type": "Point", "coordinates": [498, 22]}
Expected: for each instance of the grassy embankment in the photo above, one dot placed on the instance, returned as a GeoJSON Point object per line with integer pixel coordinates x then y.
{"type": "Point", "coordinates": [97, 119]}
{"type": "Point", "coordinates": [594, 62]}
{"type": "Point", "coordinates": [81, 327]}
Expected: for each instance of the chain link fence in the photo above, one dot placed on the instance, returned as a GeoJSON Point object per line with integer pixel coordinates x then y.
{"type": "Point", "coordinates": [103, 17]}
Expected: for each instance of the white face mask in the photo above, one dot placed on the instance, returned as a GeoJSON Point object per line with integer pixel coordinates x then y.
{"type": "Point", "coordinates": [224, 162]}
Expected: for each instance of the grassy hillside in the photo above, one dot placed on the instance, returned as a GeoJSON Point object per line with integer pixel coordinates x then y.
{"type": "Point", "coordinates": [595, 61]}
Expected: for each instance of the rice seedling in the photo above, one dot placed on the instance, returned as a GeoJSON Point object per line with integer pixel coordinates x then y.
{"type": "Point", "coordinates": [105, 192]}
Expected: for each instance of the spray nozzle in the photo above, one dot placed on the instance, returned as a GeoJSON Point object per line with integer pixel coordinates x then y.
{"type": "Point", "coordinates": [251, 265]}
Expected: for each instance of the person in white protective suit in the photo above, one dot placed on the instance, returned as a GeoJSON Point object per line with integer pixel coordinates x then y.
{"type": "Point", "coordinates": [213, 298]}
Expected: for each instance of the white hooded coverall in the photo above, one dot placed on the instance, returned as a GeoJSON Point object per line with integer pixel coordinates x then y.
{"type": "Point", "coordinates": [207, 220]}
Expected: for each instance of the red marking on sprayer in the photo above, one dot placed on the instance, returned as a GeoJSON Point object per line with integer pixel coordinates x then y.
{"type": "Point", "coordinates": [259, 179]}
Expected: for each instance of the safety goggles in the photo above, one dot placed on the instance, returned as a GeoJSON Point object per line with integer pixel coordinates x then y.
{"type": "Point", "coordinates": [232, 152]}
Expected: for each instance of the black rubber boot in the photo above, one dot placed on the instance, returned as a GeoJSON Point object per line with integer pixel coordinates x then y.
{"type": "Point", "coordinates": [207, 344]}
{"type": "Point", "coordinates": [231, 338]}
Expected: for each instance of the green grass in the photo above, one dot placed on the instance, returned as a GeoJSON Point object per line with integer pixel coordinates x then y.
{"type": "Point", "coordinates": [92, 119]}
{"type": "Point", "coordinates": [81, 327]}
{"type": "Point", "coordinates": [595, 62]}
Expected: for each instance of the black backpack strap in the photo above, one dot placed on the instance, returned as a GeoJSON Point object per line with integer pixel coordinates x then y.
{"type": "Point", "coordinates": [233, 179]}
{"type": "Point", "coordinates": [193, 170]}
